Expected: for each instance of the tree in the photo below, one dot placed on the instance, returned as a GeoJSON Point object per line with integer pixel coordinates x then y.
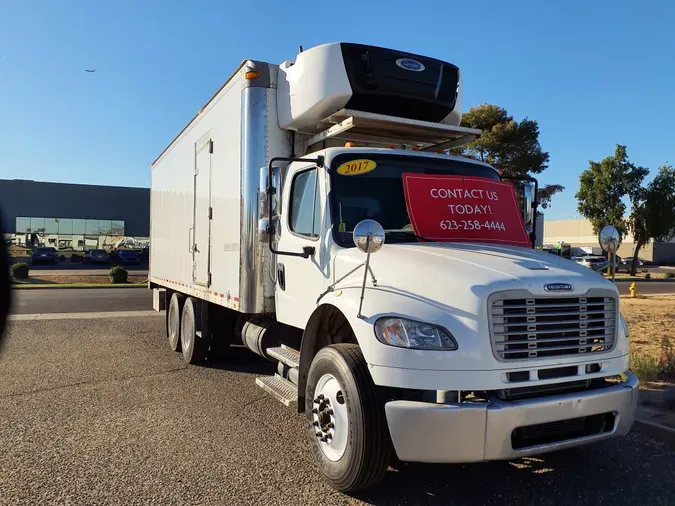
{"type": "Point", "coordinates": [604, 184]}
{"type": "Point", "coordinates": [510, 146]}
{"type": "Point", "coordinates": [653, 211]}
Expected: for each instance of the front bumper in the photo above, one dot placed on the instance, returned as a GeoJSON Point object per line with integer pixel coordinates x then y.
{"type": "Point", "coordinates": [474, 432]}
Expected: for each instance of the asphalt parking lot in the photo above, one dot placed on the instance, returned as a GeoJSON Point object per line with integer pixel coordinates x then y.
{"type": "Point", "coordinates": [100, 411]}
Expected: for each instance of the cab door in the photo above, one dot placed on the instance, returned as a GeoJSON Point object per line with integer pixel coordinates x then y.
{"type": "Point", "coordinates": [300, 281]}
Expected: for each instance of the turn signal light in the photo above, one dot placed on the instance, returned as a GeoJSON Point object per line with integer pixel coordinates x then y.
{"type": "Point", "coordinates": [252, 74]}
{"type": "Point", "coordinates": [349, 144]}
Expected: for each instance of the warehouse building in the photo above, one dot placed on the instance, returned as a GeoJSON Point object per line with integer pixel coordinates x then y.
{"type": "Point", "coordinates": [578, 234]}
{"type": "Point", "coordinates": [73, 217]}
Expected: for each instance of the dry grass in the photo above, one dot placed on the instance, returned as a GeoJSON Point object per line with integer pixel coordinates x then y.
{"type": "Point", "coordinates": [640, 275]}
{"type": "Point", "coordinates": [651, 321]}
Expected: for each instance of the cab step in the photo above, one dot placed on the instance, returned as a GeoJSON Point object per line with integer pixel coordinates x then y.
{"type": "Point", "coordinates": [285, 355]}
{"type": "Point", "coordinates": [285, 391]}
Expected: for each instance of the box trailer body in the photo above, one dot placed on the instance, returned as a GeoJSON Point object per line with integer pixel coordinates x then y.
{"type": "Point", "coordinates": [430, 351]}
{"type": "Point", "coordinates": [204, 221]}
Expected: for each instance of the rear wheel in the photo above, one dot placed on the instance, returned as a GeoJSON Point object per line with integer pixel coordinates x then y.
{"type": "Point", "coordinates": [347, 424]}
{"type": "Point", "coordinates": [173, 321]}
{"type": "Point", "coordinates": [193, 344]}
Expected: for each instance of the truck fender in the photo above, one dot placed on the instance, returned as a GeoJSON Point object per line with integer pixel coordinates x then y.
{"type": "Point", "coordinates": [327, 325]}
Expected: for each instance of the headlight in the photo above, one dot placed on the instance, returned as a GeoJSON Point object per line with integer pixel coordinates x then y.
{"type": "Point", "coordinates": [624, 326]}
{"type": "Point", "coordinates": [405, 333]}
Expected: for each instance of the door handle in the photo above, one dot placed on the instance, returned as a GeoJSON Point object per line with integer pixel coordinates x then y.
{"type": "Point", "coordinates": [191, 244]}
{"type": "Point", "coordinates": [281, 276]}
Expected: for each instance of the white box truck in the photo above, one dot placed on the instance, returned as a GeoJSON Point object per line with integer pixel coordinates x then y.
{"type": "Point", "coordinates": [301, 213]}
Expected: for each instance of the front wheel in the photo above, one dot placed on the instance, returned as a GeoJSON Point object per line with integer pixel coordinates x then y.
{"type": "Point", "coordinates": [347, 424]}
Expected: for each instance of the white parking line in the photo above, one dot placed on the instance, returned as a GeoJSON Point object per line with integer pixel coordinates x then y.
{"type": "Point", "coordinates": [81, 316]}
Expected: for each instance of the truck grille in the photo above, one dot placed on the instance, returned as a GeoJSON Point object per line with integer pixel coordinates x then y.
{"type": "Point", "coordinates": [529, 327]}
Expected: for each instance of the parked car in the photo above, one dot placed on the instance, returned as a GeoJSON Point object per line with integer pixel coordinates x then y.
{"type": "Point", "coordinates": [627, 263]}
{"type": "Point", "coordinates": [96, 256]}
{"type": "Point", "coordinates": [127, 256]}
{"type": "Point", "coordinates": [44, 255]}
{"type": "Point", "coordinates": [595, 263]}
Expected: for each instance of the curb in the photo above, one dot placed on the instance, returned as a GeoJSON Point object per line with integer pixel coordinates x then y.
{"type": "Point", "coordinates": [56, 286]}
{"type": "Point", "coordinates": [644, 280]}
{"type": "Point", "coordinates": [656, 431]}
{"type": "Point", "coordinates": [80, 316]}
{"type": "Point", "coordinates": [646, 295]}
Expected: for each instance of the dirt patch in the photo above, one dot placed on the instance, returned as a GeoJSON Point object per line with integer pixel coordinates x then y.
{"type": "Point", "coordinates": [651, 321]}
{"type": "Point", "coordinates": [80, 280]}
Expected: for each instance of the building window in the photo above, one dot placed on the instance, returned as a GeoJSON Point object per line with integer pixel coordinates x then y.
{"type": "Point", "coordinates": [37, 225]}
{"type": "Point", "coordinates": [79, 227]}
{"type": "Point", "coordinates": [22, 225]}
{"type": "Point", "coordinates": [91, 227]}
{"type": "Point", "coordinates": [65, 226]}
{"type": "Point", "coordinates": [104, 227]}
{"type": "Point", "coordinates": [51, 226]}
{"type": "Point", "coordinates": [117, 227]}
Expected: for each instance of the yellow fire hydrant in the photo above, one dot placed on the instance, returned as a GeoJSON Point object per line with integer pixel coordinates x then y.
{"type": "Point", "coordinates": [633, 289]}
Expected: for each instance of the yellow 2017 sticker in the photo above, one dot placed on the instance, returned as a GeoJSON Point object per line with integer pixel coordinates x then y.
{"type": "Point", "coordinates": [356, 167]}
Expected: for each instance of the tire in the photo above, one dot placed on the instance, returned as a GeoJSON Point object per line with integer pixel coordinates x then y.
{"type": "Point", "coordinates": [194, 347]}
{"type": "Point", "coordinates": [173, 321]}
{"type": "Point", "coordinates": [362, 453]}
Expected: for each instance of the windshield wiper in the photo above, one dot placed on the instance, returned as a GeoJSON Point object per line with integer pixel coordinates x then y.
{"type": "Point", "coordinates": [406, 234]}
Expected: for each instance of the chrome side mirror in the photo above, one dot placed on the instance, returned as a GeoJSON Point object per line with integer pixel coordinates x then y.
{"type": "Point", "coordinates": [528, 209]}
{"type": "Point", "coordinates": [369, 236]}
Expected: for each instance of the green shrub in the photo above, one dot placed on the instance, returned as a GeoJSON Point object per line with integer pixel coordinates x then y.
{"type": "Point", "coordinates": [669, 275]}
{"type": "Point", "coordinates": [667, 361]}
{"type": "Point", "coordinates": [649, 368]}
{"type": "Point", "coordinates": [19, 270]}
{"type": "Point", "coordinates": [648, 276]}
{"type": "Point", "coordinates": [118, 274]}
{"type": "Point", "coordinates": [645, 367]}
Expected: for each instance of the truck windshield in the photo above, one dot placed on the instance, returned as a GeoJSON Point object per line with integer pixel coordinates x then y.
{"type": "Point", "coordinates": [378, 193]}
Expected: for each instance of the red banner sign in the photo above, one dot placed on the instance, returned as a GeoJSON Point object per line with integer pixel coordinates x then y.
{"type": "Point", "coordinates": [461, 208]}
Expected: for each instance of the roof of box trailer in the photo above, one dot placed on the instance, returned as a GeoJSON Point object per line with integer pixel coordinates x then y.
{"type": "Point", "coordinates": [200, 110]}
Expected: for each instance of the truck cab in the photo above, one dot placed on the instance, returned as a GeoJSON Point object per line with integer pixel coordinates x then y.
{"type": "Point", "coordinates": [485, 351]}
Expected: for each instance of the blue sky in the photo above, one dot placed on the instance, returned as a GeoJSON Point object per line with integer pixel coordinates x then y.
{"type": "Point", "coordinates": [592, 74]}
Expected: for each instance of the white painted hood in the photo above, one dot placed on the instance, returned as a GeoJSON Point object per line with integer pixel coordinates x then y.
{"type": "Point", "coordinates": [449, 272]}
{"type": "Point", "coordinates": [448, 284]}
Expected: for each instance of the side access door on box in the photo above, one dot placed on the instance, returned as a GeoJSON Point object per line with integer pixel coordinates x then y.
{"type": "Point", "coordinates": [201, 224]}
